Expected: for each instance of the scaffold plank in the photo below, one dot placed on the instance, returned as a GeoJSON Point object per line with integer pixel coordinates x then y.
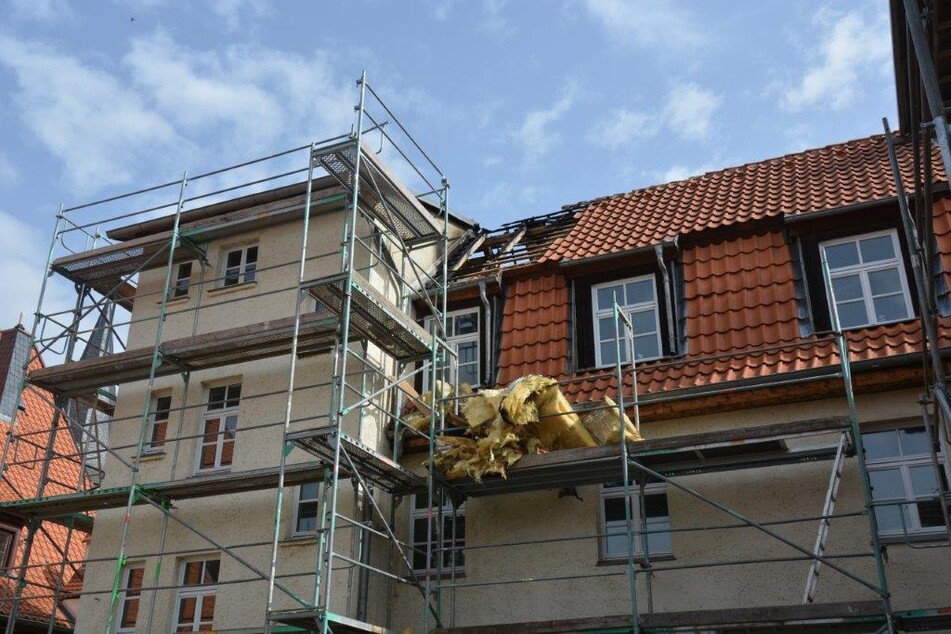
{"type": "Point", "coordinates": [372, 316]}
{"type": "Point", "coordinates": [381, 194]}
{"type": "Point", "coordinates": [849, 616]}
{"type": "Point", "coordinates": [210, 350]}
{"type": "Point", "coordinates": [372, 465]}
{"type": "Point", "coordinates": [732, 449]}
{"type": "Point", "coordinates": [60, 507]}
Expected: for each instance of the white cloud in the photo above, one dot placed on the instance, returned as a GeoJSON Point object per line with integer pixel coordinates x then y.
{"type": "Point", "coordinates": [22, 260]}
{"type": "Point", "coordinates": [681, 172]}
{"type": "Point", "coordinates": [9, 172]}
{"type": "Point", "coordinates": [623, 126]}
{"type": "Point", "coordinates": [168, 107]}
{"type": "Point", "coordinates": [41, 10]}
{"type": "Point", "coordinates": [535, 136]}
{"type": "Point", "coordinates": [851, 47]}
{"type": "Point", "coordinates": [689, 110]}
{"type": "Point", "coordinates": [493, 22]}
{"type": "Point", "coordinates": [234, 12]}
{"type": "Point", "coordinates": [640, 23]}
{"type": "Point", "coordinates": [84, 116]}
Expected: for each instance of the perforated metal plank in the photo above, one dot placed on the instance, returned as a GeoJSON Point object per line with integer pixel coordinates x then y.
{"type": "Point", "coordinates": [373, 316]}
{"type": "Point", "coordinates": [372, 465]}
{"type": "Point", "coordinates": [309, 619]}
{"type": "Point", "coordinates": [381, 195]}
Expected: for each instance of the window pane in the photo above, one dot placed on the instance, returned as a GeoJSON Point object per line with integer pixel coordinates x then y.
{"type": "Point", "coordinates": [914, 440]}
{"type": "Point", "coordinates": [186, 611]}
{"type": "Point", "coordinates": [878, 248]}
{"type": "Point", "coordinates": [922, 481]}
{"type": "Point", "coordinates": [889, 518]}
{"type": "Point", "coordinates": [469, 374]}
{"type": "Point", "coordinates": [640, 292]}
{"type": "Point", "coordinates": [208, 608]}
{"type": "Point", "coordinates": [252, 255]}
{"type": "Point", "coordinates": [211, 570]}
{"type": "Point", "coordinates": [852, 314]}
{"type": "Point", "coordinates": [609, 353]}
{"type": "Point", "coordinates": [614, 509]}
{"type": "Point", "coordinates": [467, 323]}
{"type": "Point", "coordinates": [616, 541]}
{"type": "Point", "coordinates": [216, 397]}
{"type": "Point", "coordinates": [884, 281]}
{"type": "Point", "coordinates": [929, 513]}
{"type": "Point", "coordinates": [130, 613]}
{"type": "Point", "coordinates": [656, 505]}
{"type": "Point", "coordinates": [606, 296]}
{"type": "Point", "coordinates": [890, 308]}
{"type": "Point", "coordinates": [645, 347]}
{"type": "Point", "coordinates": [234, 395]}
{"type": "Point", "coordinates": [886, 484]}
{"type": "Point", "coordinates": [306, 517]}
{"type": "Point", "coordinates": [644, 321]}
{"type": "Point", "coordinates": [847, 287]}
{"type": "Point", "coordinates": [840, 255]}
{"type": "Point", "coordinates": [659, 542]}
{"type": "Point", "coordinates": [308, 491]}
{"type": "Point", "coordinates": [606, 328]}
{"type": "Point", "coordinates": [234, 259]}
{"type": "Point", "coordinates": [881, 444]}
{"type": "Point", "coordinates": [192, 575]}
{"type": "Point", "coordinates": [467, 352]}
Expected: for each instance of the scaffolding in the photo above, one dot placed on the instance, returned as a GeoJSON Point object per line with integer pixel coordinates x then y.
{"type": "Point", "coordinates": [361, 313]}
{"type": "Point", "coordinates": [378, 351]}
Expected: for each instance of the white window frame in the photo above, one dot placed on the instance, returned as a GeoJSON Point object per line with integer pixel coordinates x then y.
{"type": "Point", "coordinates": [223, 413]}
{"type": "Point", "coordinates": [242, 272]}
{"type": "Point", "coordinates": [904, 463]}
{"type": "Point", "coordinates": [863, 269]}
{"type": "Point", "coordinates": [8, 559]}
{"type": "Point", "coordinates": [153, 419]}
{"type": "Point", "coordinates": [422, 513]}
{"type": "Point", "coordinates": [198, 592]}
{"type": "Point", "coordinates": [455, 341]}
{"type": "Point", "coordinates": [601, 313]}
{"type": "Point", "coordinates": [126, 573]}
{"type": "Point", "coordinates": [298, 500]}
{"type": "Point", "coordinates": [606, 492]}
{"type": "Point", "coordinates": [182, 282]}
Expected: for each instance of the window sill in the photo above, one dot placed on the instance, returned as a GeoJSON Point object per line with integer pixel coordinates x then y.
{"type": "Point", "coordinates": [637, 560]}
{"type": "Point", "coordinates": [175, 301]}
{"type": "Point", "coordinates": [147, 456]}
{"type": "Point", "coordinates": [201, 473]}
{"type": "Point", "coordinates": [303, 539]}
{"type": "Point", "coordinates": [460, 574]}
{"type": "Point", "coordinates": [913, 538]}
{"type": "Point", "coordinates": [234, 288]}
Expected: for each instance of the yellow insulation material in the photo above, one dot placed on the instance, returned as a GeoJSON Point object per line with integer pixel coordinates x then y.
{"type": "Point", "coordinates": [530, 416]}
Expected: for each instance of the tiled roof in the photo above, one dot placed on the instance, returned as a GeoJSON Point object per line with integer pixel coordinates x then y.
{"type": "Point", "coordinates": [21, 480]}
{"type": "Point", "coordinates": [740, 295]}
{"type": "Point", "coordinates": [814, 180]}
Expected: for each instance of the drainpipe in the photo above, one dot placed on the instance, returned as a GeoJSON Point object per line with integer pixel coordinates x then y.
{"type": "Point", "coordinates": [668, 291]}
{"type": "Point", "coordinates": [487, 321]}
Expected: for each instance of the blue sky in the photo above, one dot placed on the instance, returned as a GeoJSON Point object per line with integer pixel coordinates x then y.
{"type": "Point", "coordinates": [527, 105]}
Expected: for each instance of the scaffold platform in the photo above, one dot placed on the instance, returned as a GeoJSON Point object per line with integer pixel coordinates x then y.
{"type": "Point", "coordinates": [381, 195]}
{"type": "Point", "coordinates": [373, 466]}
{"type": "Point", "coordinates": [372, 316]}
{"type": "Point", "coordinates": [308, 620]}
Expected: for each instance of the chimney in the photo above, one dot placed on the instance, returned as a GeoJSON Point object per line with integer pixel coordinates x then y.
{"type": "Point", "coordinates": [14, 352]}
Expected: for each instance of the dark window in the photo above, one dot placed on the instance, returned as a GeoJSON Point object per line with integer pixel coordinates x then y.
{"type": "Point", "coordinates": [8, 542]}
{"type": "Point", "coordinates": [158, 422]}
{"type": "Point", "coordinates": [183, 279]}
{"type": "Point", "coordinates": [305, 516]}
{"type": "Point", "coordinates": [240, 266]}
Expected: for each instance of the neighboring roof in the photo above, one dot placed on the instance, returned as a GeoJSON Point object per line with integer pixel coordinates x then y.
{"type": "Point", "coordinates": [21, 479]}
{"type": "Point", "coordinates": [839, 175]}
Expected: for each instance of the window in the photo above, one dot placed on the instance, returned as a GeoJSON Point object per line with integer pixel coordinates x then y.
{"type": "Point", "coordinates": [868, 279]}
{"type": "Point", "coordinates": [240, 266]}
{"type": "Point", "coordinates": [196, 596]}
{"type": "Point", "coordinates": [462, 329]}
{"type": "Point", "coordinates": [158, 423]}
{"type": "Point", "coordinates": [305, 511]}
{"type": "Point", "coordinates": [900, 470]}
{"type": "Point", "coordinates": [637, 298]}
{"type": "Point", "coordinates": [614, 544]}
{"type": "Point", "coordinates": [132, 578]}
{"type": "Point", "coordinates": [221, 419]}
{"type": "Point", "coordinates": [453, 555]}
{"type": "Point", "coordinates": [183, 279]}
{"type": "Point", "coordinates": [8, 545]}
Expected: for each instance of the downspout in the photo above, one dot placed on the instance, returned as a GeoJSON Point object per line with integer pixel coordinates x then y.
{"type": "Point", "coordinates": [487, 322]}
{"type": "Point", "coordinates": [668, 291]}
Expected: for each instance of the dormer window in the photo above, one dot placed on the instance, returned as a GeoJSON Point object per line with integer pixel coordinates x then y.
{"type": "Point", "coordinates": [867, 276]}
{"type": "Point", "coordinates": [637, 299]}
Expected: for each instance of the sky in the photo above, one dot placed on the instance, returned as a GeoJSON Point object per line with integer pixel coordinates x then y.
{"type": "Point", "coordinates": [525, 105]}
